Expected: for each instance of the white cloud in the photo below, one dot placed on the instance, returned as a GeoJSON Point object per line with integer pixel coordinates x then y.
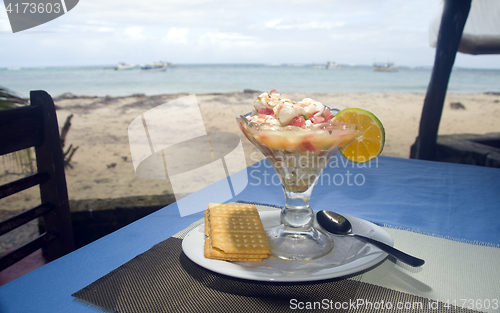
{"type": "Point", "coordinates": [5, 26]}
{"type": "Point", "coordinates": [227, 40]}
{"type": "Point", "coordinates": [273, 23]}
{"type": "Point", "coordinates": [176, 36]}
{"type": "Point", "coordinates": [312, 25]}
{"type": "Point", "coordinates": [4, 22]}
{"type": "Point", "coordinates": [87, 28]}
{"type": "Point", "coordinates": [202, 31]}
{"type": "Point", "coordinates": [96, 26]}
{"type": "Point", "coordinates": [105, 29]}
{"type": "Point", "coordinates": [135, 33]}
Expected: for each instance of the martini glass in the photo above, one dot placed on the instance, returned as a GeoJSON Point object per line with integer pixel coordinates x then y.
{"type": "Point", "coordinates": [299, 156]}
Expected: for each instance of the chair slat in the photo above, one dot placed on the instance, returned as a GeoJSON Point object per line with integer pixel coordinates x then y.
{"type": "Point", "coordinates": [23, 184]}
{"type": "Point", "coordinates": [51, 160]}
{"type": "Point", "coordinates": [25, 217]}
{"type": "Point", "coordinates": [27, 249]}
{"type": "Point", "coordinates": [21, 128]}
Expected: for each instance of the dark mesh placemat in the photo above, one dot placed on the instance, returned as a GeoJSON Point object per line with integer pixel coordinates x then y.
{"type": "Point", "coordinates": [163, 279]}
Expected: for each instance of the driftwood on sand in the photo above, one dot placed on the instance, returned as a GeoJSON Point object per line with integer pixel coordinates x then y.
{"type": "Point", "coordinates": [68, 154]}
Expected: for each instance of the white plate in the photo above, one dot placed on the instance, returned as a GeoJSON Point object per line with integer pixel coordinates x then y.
{"type": "Point", "coordinates": [349, 256]}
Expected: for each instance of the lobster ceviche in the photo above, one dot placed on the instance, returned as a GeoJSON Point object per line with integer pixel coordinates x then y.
{"type": "Point", "coordinates": [270, 108]}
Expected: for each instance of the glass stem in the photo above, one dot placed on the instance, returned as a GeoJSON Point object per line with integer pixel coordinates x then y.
{"type": "Point", "coordinates": [297, 214]}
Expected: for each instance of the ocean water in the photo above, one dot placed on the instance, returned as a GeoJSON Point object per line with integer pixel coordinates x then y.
{"type": "Point", "coordinates": [104, 81]}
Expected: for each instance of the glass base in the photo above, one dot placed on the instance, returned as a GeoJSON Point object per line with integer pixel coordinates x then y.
{"type": "Point", "coordinates": [297, 244]}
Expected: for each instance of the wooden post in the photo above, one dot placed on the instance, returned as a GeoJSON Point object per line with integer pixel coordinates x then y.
{"type": "Point", "coordinates": [453, 20]}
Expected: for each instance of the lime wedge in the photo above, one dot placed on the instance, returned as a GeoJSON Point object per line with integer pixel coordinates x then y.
{"type": "Point", "coordinates": [370, 143]}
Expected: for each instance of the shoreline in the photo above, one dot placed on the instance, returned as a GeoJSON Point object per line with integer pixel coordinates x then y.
{"type": "Point", "coordinates": [72, 96]}
{"type": "Point", "coordinates": [224, 78]}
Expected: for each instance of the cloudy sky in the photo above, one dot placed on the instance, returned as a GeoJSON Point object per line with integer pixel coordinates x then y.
{"type": "Point", "coordinates": [98, 32]}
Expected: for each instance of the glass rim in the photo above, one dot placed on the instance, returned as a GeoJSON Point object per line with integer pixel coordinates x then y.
{"type": "Point", "coordinates": [316, 126]}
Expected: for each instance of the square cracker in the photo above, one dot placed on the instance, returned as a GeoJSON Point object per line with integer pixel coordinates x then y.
{"type": "Point", "coordinates": [213, 253]}
{"type": "Point", "coordinates": [233, 210]}
{"type": "Point", "coordinates": [239, 224]}
{"type": "Point", "coordinates": [235, 233]}
{"type": "Point", "coordinates": [241, 243]}
{"type": "Point", "coordinates": [207, 224]}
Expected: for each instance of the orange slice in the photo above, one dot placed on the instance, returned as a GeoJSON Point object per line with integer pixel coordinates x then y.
{"type": "Point", "coordinates": [370, 143]}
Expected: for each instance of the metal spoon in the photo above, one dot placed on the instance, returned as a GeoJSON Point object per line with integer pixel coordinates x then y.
{"type": "Point", "coordinates": [339, 225]}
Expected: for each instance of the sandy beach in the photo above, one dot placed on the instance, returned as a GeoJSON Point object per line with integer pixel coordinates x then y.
{"type": "Point", "coordinates": [102, 166]}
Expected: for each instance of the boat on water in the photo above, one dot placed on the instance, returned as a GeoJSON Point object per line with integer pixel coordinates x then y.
{"type": "Point", "coordinates": [385, 67]}
{"type": "Point", "coordinates": [332, 66]}
{"type": "Point", "coordinates": [122, 66]}
{"type": "Point", "coordinates": [157, 66]}
{"type": "Point", "coordinates": [327, 66]}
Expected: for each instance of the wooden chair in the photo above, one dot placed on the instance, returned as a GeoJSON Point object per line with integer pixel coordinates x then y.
{"type": "Point", "coordinates": [36, 126]}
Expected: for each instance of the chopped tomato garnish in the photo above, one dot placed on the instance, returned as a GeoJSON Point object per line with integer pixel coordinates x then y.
{"type": "Point", "coordinates": [312, 114]}
{"type": "Point", "coordinates": [265, 111]}
{"type": "Point", "coordinates": [273, 91]}
{"type": "Point", "coordinates": [317, 119]}
{"type": "Point", "coordinates": [298, 121]}
{"type": "Point", "coordinates": [325, 116]}
{"type": "Point", "coordinates": [308, 146]}
{"type": "Point", "coordinates": [326, 113]}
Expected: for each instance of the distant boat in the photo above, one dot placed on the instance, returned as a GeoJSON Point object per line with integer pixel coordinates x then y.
{"type": "Point", "coordinates": [385, 67]}
{"type": "Point", "coordinates": [327, 66]}
{"type": "Point", "coordinates": [332, 66]}
{"type": "Point", "coordinates": [157, 66]}
{"type": "Point", "coordinates": [121, 66]}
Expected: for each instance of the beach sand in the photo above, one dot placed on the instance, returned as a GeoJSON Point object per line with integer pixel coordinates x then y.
{"type": "Point", "coordinates": [102, 166]}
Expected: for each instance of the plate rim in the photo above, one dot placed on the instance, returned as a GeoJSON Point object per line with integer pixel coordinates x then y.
{"type": "Point", "coordinates": [234, 270]}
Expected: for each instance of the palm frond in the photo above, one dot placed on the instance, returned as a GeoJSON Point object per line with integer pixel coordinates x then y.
{"type": "Point", "coordinates": [8, 99]}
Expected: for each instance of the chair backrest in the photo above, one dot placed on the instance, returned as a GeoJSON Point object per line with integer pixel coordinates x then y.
{"type": "Point", "coordinates": [36, 126]}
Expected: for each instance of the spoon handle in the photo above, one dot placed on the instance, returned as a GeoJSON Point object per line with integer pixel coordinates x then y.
{"type": "Point", "coordinates": [406, 258]}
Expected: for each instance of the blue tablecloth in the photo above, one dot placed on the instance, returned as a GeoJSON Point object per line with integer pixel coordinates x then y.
{"type": "Point", "coordinates": [444, 199]}
{"type": "Point", "coordinates": [449, 200]}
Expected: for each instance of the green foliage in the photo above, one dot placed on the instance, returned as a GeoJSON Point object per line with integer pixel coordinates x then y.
{"type": "Point", "coordinates": [9, 99]}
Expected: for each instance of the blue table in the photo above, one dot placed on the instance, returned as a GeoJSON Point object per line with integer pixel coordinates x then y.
{"type": "Point", "coordinates": [441, 199]}
{"type": "Point", "coordinates": [438, 198]}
